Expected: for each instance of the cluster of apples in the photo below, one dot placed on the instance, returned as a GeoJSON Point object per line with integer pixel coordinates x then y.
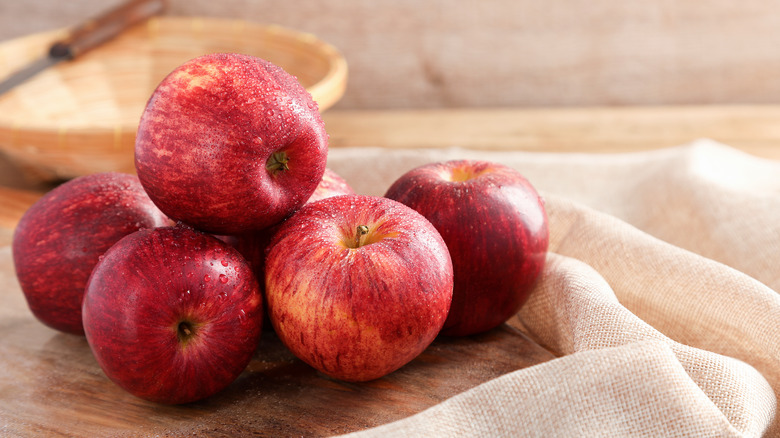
{"type": "Point", "coordinates": [234, 219]}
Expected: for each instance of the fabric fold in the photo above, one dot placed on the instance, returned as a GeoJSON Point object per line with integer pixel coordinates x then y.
{"type": "Point", "coordinates": [660, 284]}
{"type": "Point", "coordinates": [617, 376]}
{"type": "Point", "coordinates": [575, 310]}
{"type": "Point", "coordinates": [565, 397]}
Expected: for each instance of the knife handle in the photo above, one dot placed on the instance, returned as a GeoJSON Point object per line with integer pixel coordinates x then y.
{"type": "Point", "coordinates": [104, 27]}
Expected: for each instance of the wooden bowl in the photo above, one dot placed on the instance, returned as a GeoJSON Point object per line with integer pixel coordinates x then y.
{"type": "Point", "coordinates": [81, 117]}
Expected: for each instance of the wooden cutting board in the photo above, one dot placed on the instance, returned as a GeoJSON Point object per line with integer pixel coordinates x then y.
{"type": "Point", "coordinates": [50, 385]}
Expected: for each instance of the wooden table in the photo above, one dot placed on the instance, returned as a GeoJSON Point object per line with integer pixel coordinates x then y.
{"type": "Point", "coordinates": [752, 128]}
{"type": "Point", "coordinates": [51, 385]}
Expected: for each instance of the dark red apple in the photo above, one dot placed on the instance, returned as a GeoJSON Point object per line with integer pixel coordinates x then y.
{"type": "Point", "coordinates": [357, 286]}
{"type": "Point", "coordinates": [252, 246]}
{"type": "Point", "coordinates": [495, 226]}
{"type": "Point", "coordinates": [59, 239]}
{"type": "Point", "coordinates": [230, 144]}
{"type": "Point", "coordinates": [172, 315]}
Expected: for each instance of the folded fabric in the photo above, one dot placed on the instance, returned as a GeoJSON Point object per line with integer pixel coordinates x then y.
{"type": "Point", "coordinates": [659, 296]}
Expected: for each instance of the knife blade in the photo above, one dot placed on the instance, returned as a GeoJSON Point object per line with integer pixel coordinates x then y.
{"type": "Point", "coordinates": [85, 37]}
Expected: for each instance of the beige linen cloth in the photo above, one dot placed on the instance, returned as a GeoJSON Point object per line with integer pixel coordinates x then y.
{"type": "Point", "coordinates": [659, 297]}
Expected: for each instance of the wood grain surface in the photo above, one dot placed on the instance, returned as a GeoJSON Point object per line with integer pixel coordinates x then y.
{"type": "Point", "coordinates": [50, 385]}
{"type": "Point", "coordinates": [605, 129]}
{"type": "Point", "coordinates": [446, 53]}
{"type": "Point", "coordinates": [13, 204]}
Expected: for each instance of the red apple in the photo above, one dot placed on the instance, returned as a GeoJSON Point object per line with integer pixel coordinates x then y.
{"type": "Point", "coordinates": [230, 144]}
{"type": "Point", "coordinates": [495, 226]}
{"type": "Point", "coordinates": [172, 315]}
{"type": "Point", "coordinates": [357, 286]}
{"type": "Point", "coordinates": [59, 239]}
{"type": "Point", "coordinates": [331, 184]}
{"type": "Point", "coordinates": [253, 245]}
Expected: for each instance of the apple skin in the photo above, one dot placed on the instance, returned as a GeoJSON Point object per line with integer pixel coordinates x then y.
{"type": "Point", "coordinates": [230, 144]}
{"type": "Point", "coordinates": [331, 184]}
{"type": "Point", "coordinates": [172, 315]}
{"type": "Point", "coordinates": [357, 313]}
{"type": "Point", "coordinates": [253, 245]}
{"type": "Point", "coordinates": [59, 239]}
{"type": "Point", "coordinates": [495, 226]}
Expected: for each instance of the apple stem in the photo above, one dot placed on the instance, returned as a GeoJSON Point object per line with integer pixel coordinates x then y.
{"type": "Point", "coordinates": [278, 161]}
{"type": "Point", "coordinates": [362, 230]}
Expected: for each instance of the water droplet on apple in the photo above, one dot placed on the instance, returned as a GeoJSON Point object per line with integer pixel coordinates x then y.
{"type": "Point", "coordinates": [223, 278]}
{"type": "Point", "coordinates": [241, 316]}
{"type": "Point", "coordinates": [207, 278]}
{"type": "Point", "coordinates": [224, 263]}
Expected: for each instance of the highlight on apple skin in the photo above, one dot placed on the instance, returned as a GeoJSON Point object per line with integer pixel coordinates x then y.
{"type": "Point", "coordinates": [495, 226]}
{"type": "Point", "coordinates": [230, 143]}
{"type": "Point", "coordinates": [357, 286]}
{"type": "Point", "coordinates": [59, 239]}
{"type": "Point", "coordinates": [172, 315]}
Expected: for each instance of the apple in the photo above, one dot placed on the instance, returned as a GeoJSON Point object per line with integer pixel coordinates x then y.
{"type": "Point", "coordinates": [253, 245]}
{"type": "Point", "coordinates": [357, 286]}
{"type": "Point", "coordinates": [59, 239]}
{"type": "Point", "coordinates": [172, 315]}
{"type": "Point", "coordinates": [495, 226]}
{"type": "Point", "coordinates": [331, 184]}
{"type": "Point", "coordinates": [230, 144]}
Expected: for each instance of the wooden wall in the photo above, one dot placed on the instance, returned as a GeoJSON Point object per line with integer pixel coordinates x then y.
{"type": "Point", "coordinates": [462, 53]}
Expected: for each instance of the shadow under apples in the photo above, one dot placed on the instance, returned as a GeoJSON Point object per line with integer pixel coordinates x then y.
{"type": "Point", "coordinates": [277, 395]}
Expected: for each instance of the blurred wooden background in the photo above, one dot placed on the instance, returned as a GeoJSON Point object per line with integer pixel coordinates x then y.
{"type": "Point", "coordinates": [509, 53]}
